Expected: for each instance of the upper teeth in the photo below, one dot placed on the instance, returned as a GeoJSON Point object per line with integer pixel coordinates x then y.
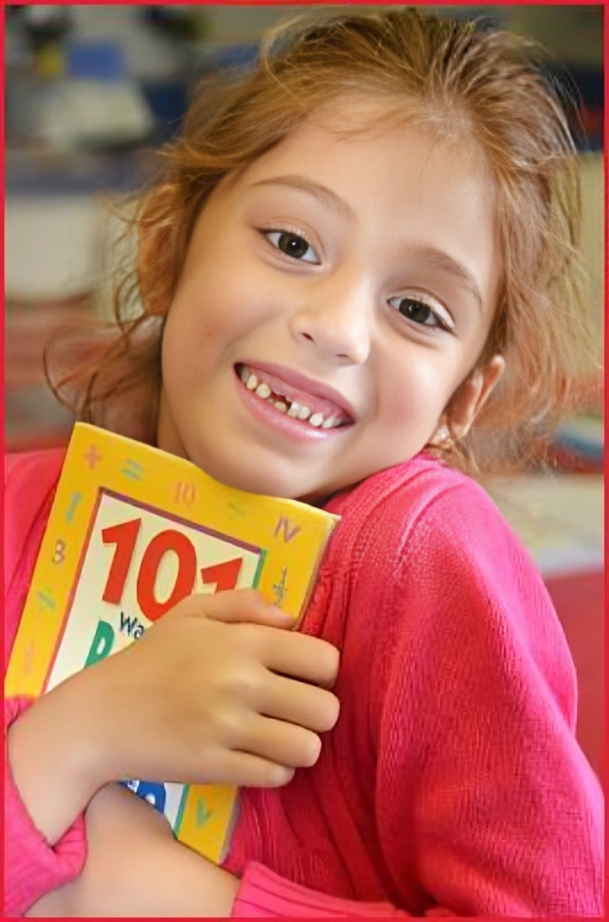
{"type": "Point", "coordinates": [261, 388]}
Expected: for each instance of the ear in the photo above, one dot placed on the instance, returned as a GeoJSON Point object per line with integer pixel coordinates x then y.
{"type": "Point", "coordinates": [471, 396]}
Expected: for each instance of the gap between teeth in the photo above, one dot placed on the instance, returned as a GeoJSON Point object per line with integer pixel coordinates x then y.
{"type": "Point", "coordinates": [295, 410]}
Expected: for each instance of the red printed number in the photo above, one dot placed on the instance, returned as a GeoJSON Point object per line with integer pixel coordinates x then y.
{"type": "Point", "coordinates": [124, 536]}
{"type": "Point", "coordinates": [224, 575]}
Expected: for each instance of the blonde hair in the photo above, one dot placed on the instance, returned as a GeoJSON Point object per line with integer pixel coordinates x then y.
{"type": "Point", "coordinates": [459, 83]}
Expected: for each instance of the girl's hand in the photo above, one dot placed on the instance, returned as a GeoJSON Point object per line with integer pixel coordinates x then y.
{"type": "Point", "coordinates": [213, 692]}
{"type": "Point", "coordinates": [136, 868]}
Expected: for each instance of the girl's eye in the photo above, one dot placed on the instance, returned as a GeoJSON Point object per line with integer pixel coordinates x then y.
{"type": "Point", "coordinates": [292, 245]}
{"type": "Point", "coordinates": [419, 312]}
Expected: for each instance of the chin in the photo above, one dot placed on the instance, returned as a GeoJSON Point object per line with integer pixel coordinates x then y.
{"type": "Point", "coordinates": [246, 480]}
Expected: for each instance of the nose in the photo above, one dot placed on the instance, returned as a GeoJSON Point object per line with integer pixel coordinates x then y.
{"type": "Point", "coordinates": [335, 319]}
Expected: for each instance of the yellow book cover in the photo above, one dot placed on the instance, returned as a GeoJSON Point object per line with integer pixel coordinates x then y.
{"type": "Point", "coordinates": [132, 531]}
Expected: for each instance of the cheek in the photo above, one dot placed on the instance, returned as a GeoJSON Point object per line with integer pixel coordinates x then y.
{"type": "Point", "coordinates": [413, 390]}
{"type": "Point", "coordinates": [208, 321]}
{"type": "Point", "coordinates": [198, 315]}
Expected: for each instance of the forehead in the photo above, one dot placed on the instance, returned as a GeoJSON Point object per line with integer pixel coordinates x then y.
{"type": "Point", "coordinates": [371, 114]}
{"type": "Point", "coordinates": [358, 144]}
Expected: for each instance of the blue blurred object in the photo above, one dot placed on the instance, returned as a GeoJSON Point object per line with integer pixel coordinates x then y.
{"type": "Point", "coordinates": [96, 61]}
{"type": "Point", "coordinates": [242, 55]}
{"type": "Point", "coordinates": [583, 437]}
{"type": "Point", "coordinates": [238, 59]}
{"type": "Point", "coordinates": [168, 101]}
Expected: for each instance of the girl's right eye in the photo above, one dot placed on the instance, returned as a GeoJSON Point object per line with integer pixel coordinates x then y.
{"type": "Point", "coordinates": [292, 245]}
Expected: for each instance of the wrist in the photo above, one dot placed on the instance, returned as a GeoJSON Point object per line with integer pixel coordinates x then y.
{"type": "Point", "coordinates": [54, 760]}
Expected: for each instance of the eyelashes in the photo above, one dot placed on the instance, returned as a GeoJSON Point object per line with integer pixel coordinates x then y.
{"type": "Point", "coordinates": [415, 309]}
{"type": "Point", "coordinates": [293, 245]}
{"type": "Point", "coordinates": [420, 312]}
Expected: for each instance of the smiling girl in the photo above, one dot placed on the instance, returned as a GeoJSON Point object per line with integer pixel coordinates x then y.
{"type": "Point", "coordinates": [356, 251]}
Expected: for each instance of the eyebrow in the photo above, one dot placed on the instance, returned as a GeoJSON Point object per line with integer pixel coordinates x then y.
{"type": "Point", "coordinates": [450, 266]}
{"type": "Point", "coordinates": [325, 195]}
{"type": "Point", "coordinates": [438, 258]}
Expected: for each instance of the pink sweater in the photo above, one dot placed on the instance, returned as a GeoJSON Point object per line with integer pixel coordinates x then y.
{"type": "Point", "coordinates": [452, 783]}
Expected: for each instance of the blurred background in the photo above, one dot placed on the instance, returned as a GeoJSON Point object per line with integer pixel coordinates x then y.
{"type": "Point", "coordinates": [91, 90]}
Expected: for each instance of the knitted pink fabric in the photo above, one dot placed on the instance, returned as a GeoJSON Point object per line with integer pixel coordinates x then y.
{"type": "Point", "coordinates": [31, 867]}
{"type": "Point", "coordinates": [452, 783]}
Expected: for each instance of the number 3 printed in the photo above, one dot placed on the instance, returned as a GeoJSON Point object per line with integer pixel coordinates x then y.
{"type": "Point", "coordinates": [59, 553]}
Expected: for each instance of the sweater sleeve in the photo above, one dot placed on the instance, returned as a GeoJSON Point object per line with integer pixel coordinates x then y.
{"type": "Point", "coordinates": [264, 894]}
{"type": "Point", "coordinates": [504, 809]}
{"type": "Point", "coordinates": [31, 867]}
{"type": "Point", "coordinates": [485, 804]}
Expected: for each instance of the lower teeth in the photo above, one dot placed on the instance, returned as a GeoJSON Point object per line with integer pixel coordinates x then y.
{"type": "Point", "coordinates": [294, 410]}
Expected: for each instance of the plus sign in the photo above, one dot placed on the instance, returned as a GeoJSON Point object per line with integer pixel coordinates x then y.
{"type": "Point", "coordinates": [92, 456]}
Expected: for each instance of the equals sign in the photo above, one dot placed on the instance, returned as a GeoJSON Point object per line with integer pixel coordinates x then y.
{"type": "Point", "coordinates": [46, 597]}
{"type": "Point", "coordinates": [76, 498]}
{"type": "Point", "coordinates": [133, 470]}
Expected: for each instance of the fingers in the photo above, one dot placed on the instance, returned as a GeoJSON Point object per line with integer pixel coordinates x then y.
{"type": "Point", "coordinates": [280, 742]}
{"type": "Point", "coordinates": [286, 652]}
{"type": "Point", "coordinates": [235, 606]}
{"type": "Point", "coordinates": [244, 769]}
{"type": "Point", "coordinates": [301, 657]}
{"type": "Point", "coordinates": [299, 703]}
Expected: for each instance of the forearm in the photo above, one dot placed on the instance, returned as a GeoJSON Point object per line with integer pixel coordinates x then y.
{"type": "Point", "coordinates": [198, 894]}
{"type": "Point", "coordinates": [58, 904]}
{"type": "Point", "coordinates": [33, 867]}
{"type": "Point", "coordinates": [55, 760]}
{"type": "Point", "coordinates": [135, 868]}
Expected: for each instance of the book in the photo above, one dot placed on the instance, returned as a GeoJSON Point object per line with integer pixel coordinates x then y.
{"type": "Point", "coordinates": [132, 531]}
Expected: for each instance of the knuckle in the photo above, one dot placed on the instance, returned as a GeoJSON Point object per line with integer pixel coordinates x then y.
{"type": "Point", "coordinates": [247, 597]}
{"type": "Point", "coordinates": [230, 726]}
{"type": "Point", "coordinates": [250, 637]}
{"type": "Point", "coordinates": [244, 602]}
{"type": "Point", "coordinates": [243, 684]}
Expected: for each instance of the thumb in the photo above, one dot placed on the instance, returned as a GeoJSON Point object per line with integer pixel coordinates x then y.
{"type": "Point", "coordinates": [238, 606]}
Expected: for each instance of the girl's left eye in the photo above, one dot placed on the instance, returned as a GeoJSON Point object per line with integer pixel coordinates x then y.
{"type": "Point", "coordinates": [420, 312]}
{"type": "Point", "coordinates": [292, 245]}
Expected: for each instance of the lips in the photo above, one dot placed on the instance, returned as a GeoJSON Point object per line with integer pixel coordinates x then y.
{"type": "Point", "coordinates": [300, 397]}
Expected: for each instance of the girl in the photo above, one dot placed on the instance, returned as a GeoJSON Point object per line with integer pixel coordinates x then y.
{"type": "Point", "coordinates": [355, 251]}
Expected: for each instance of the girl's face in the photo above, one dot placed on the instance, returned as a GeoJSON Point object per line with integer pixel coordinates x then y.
{"type": "Point", "coordinates": [335, 297]}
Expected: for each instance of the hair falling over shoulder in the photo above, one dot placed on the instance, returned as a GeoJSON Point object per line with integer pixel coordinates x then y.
{"type": "Point", "coordinates": [462, 84]}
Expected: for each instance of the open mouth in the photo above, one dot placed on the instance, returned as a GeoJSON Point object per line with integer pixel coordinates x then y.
{"type": "Point", "coordinates": [302, 407]}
